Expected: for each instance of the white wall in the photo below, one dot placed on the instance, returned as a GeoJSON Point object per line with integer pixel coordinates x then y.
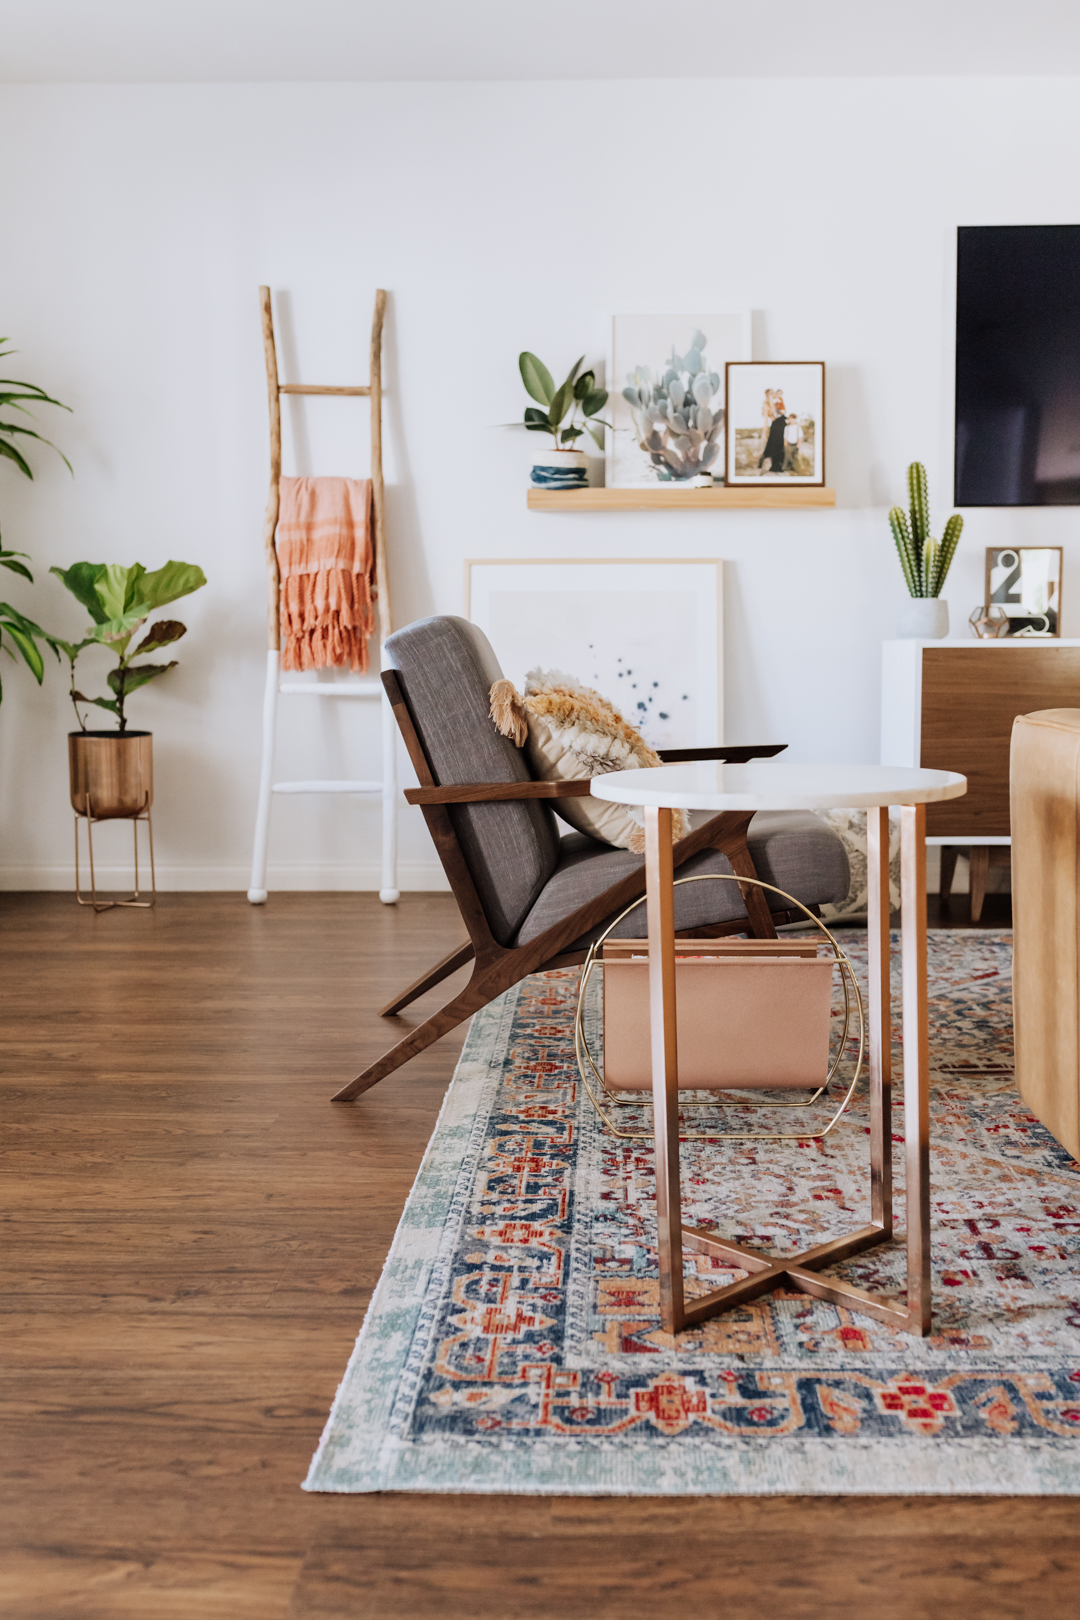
{"type": "Point", "coordinates": [138, 222]}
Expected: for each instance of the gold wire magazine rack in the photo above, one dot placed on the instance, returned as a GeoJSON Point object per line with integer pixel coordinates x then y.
{"type": "Point", "coordinates": [605, 1098]}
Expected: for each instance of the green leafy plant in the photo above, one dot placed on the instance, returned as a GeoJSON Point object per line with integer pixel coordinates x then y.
{"type": "Point", "coordinates": [925, 561]}
{"type": "Point", "coordinates": [119, 601]}
{"type": "Point", "coordinates": [20, 632]}
{"type": "Point", "coordinates": [16, 396]}
{"type": "Point", "coordinates": [560, 416]}
{"type": "Point", "coordinates": [678, 414]}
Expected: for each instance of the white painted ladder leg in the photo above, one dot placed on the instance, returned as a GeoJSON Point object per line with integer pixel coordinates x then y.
{"type": "Point", "coordinates": [257, 893]}
{"type": "Point", "coordinates": [389, 891]}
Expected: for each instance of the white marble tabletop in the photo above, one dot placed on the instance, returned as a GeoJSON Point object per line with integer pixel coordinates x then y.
{"type": "Point", "coordinates": [767, 784]}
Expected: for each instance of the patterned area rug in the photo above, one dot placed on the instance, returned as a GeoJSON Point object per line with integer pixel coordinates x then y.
{"type": "Point", "coordinates": [514, 1343]}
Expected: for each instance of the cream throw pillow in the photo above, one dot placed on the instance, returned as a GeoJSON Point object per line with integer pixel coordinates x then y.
{"type": "Point", "coordinates": [569, 731]}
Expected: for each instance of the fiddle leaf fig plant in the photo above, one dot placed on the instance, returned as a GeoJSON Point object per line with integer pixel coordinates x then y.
{"type": "Point", "coordinates": [559, 417]}
{"type": "Point", "coordinates": [120, 600]}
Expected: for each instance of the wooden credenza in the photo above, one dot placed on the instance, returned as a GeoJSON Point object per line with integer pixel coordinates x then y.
{"type": "Point", "coordinates": [950, 705]}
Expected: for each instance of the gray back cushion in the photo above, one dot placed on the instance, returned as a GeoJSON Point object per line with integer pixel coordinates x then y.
{"type": "Point", "coordinates": [446, 669]}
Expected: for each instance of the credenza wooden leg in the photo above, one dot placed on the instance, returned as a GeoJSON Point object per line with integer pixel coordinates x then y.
{"type": "Point", "coordinates": [979, 859]}
{"type": "Point", "coordinates": [949, 854]}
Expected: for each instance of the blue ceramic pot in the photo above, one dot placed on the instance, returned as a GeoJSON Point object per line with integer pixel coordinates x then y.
{"type": "Point", "coordinates": [560, 469]}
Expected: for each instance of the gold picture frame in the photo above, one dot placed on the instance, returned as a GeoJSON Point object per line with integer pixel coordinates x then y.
{"type": "Point", "coordinates": [1026, 581]}
{"type": "Point", "coordinates": [774, 428]}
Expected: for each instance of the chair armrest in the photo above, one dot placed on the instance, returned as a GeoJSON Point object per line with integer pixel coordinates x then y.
{"type": "Point", "coordinates": [730, 756]}
{"type": "Point", "coordinates": [494, 792]}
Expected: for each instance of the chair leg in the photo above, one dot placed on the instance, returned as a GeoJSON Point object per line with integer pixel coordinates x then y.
{"type": "Point", "coordinates": [442, 970]}
{"type": "Point", "coordinates": [757, 906]}
{"type": "Point", "coordinates": [476, 994]}
{"type": "Point", "coordinates": [979, 860]}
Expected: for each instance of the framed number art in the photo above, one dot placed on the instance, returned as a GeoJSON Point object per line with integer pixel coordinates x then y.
{"type": "Point", "coordinates": [1026, 581]}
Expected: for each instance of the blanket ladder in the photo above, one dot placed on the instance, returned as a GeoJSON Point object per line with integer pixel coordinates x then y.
{"type": "Point", "coordinates": [369, 690]}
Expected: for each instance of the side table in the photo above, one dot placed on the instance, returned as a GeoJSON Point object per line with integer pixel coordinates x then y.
{"type": "Point", "coordinates": [765, 785]}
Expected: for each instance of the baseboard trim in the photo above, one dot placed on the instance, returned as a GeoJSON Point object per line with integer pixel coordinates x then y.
{"type": "Point", "coordinates": [418, 877]}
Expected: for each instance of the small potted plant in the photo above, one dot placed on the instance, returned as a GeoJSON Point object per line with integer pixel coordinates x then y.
{"type": "Point", "coordinates": [112, 772]}
{"type": "Point", "coordinates": [569, 412]}
{"type": "Point", "coordinates": [924, 560]}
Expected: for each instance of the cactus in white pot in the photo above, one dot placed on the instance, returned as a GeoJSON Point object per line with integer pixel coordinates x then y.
{"type": "Point", "coordinates": [924, 560]}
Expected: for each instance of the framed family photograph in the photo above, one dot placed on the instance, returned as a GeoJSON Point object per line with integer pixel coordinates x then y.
{"type": "Point", "coordinates": [667, 397]}
{"type": "Point", "coordinates": [1026, 582]}
{"type": "Point", "coordinates": [775, 430]}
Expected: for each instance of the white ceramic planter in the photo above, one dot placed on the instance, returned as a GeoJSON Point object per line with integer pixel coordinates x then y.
{"type": "Point", "coordinates": [560, 469]}
{"type": "Point", "coordinates": [923, 618]}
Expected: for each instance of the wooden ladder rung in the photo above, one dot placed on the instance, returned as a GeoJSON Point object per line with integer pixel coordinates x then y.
{"type": "Point", "coordinates": [315, 388]}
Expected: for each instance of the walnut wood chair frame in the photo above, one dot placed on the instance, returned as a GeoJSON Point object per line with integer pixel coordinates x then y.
{"type": "Point", "coordinates": [497, 967]}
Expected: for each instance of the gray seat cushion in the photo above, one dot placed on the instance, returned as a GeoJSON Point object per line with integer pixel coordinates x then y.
{"type": "Point", "coordinates": [446, 668]}
{"type": "Point", "coordinates": [791, 848]}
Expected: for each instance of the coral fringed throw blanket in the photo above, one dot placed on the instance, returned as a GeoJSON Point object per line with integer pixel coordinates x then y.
{"type": "Point", "coordinates": [326, 559]}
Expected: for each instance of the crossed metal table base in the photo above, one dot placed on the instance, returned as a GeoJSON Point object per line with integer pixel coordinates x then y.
{"type": "Point", "coordinates": [766, 1272]}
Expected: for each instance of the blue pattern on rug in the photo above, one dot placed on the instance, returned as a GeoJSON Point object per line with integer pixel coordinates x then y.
{"type": "Point", "coordinates": [514, 1342]}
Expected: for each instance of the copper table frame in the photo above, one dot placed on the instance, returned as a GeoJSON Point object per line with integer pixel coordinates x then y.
{"type": "Point", "coordinates": [766, 1272]}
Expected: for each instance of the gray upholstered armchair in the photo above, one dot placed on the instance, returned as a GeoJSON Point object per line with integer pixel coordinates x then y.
{"type": "Point", "coordinates": [533, 897]}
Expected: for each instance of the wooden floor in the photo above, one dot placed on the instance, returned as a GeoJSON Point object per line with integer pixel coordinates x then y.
{"type": "Point", "coordinates": [191, 1235]}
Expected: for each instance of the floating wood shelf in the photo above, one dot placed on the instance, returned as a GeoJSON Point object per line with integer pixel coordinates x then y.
{"type": "Point", "coordinates": [647, 500]}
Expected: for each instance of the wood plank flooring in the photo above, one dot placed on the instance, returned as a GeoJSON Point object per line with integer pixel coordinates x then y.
{"type": "Point", "coordinates": [191, 1233]}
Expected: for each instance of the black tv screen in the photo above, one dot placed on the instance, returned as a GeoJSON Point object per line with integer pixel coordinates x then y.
{"type": "Point", "coordinates": [1018, 365]}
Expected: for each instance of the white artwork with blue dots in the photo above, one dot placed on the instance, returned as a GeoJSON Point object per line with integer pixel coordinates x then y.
{"type": "Point", "coordinates": [646, 635]}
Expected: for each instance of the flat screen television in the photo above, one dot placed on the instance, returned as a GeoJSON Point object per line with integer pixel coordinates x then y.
{"type": "Point", "coordinates": [1018, 365]}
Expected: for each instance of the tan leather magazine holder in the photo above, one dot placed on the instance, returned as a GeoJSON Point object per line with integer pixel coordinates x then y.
{"type": "Point", "coordinates": [751, 1014]}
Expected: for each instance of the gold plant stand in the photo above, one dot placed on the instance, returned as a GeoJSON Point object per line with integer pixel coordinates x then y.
{"type": "Point", "coordinates": [133, 899]}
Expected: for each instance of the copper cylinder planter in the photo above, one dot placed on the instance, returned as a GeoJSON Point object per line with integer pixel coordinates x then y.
{"type": "Point", "coordinates": [112, 771]}
{"type": "Point", "coordinates": [112, 779]}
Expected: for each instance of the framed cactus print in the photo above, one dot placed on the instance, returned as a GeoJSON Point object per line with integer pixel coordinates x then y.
{"type": "Point", "coordinates": [667, 397]}
{"type": "Point", "coordinates": [775, 422]}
